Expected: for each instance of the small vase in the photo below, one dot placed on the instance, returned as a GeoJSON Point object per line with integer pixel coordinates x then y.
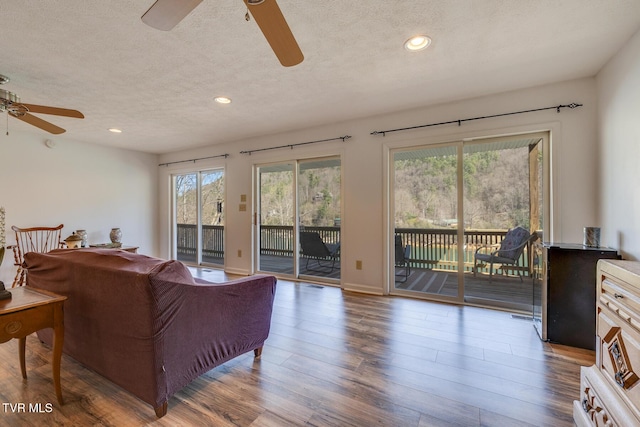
{"type": "Point", "coordinates": [115, 235]}
{"type": "Point", "coordinates": [83, 235]}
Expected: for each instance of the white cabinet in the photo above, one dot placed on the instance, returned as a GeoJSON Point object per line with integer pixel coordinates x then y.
{"type": "Point", "coordinates": [610, 389]}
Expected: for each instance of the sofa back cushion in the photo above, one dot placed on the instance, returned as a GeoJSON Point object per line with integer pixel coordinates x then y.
{"type": "Point", "coordinates": [110, 312]}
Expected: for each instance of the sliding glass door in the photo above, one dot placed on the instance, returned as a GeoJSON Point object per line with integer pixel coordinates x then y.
{"type": "Point", "coordinates": [503, 191]}
{"type": "Point", "coordinates": [456, 209]}
{"type": "Point", "coordinates": [276, 201]}
{"type": "Point", "coordinates": [319, 204]}
{"type": "Point", "coordinates": [426, 229]}
{"type": "Point", "coordinates": [199, 217]}
{"type": "Point", "coordinates": [309, 190]}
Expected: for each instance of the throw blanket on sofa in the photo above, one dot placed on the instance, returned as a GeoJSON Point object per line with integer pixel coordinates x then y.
{"type": "Point", "coordinates": [145, 323]}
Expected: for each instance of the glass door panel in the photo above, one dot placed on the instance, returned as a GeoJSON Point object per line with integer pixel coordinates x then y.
{"type": "Point", "coordinates": [211, 200]}
{"type": "Point", "coordinates": [495, 185]}
{"type": "Point", "coordinates": [502, 191]}
{"type": "Point", "coordinates": [426, 252]}
{"type": "Point", "coordinates": [199, 220]}
{"type": "Point", "coordinates": [276, 201]}
{"type": "Point", "coordinates": [319, 189]}
{"type": "Point", "coordinates": [186, 220]}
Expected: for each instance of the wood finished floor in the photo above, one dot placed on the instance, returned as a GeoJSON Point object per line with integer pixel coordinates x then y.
{"type": "Point", "coordinates": [335, 358]}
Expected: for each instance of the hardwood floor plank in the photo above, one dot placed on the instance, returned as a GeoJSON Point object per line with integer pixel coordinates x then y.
{"type": "Point", "coordinates": [491, 419]}
{"type": "Point", "coordinates": [270, 419]}
{"type": "Point", "coordinates": [542, 379]}
{"type": "Point", "coordinates": [534, 391]}
{"type": "Point", "coordinates": [379, 394]}
{"type": "Point", "coordinates": [497, 403]}
{"type": "Point", "coordinates": [335, 358]}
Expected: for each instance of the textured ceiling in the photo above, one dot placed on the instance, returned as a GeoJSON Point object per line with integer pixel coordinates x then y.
{"type": "Point", "coordinates": [158, 87]}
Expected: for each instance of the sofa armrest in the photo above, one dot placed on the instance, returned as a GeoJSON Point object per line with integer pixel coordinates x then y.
{"type": "Point", "coordinates": [202, 325]}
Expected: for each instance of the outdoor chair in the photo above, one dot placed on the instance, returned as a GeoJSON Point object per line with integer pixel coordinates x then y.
{"type": "Point", "coordinates": [34, 239]}
{"type": "Point", "coordinates": [314, 248]}
{"type": "Point", "coordinates": [402, 259]}
{"type": "Point", "coordinates": [507, 252]}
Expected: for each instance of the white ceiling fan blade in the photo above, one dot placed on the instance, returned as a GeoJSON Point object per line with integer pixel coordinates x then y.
{"type": "Point", "coordinates": [166, 14]}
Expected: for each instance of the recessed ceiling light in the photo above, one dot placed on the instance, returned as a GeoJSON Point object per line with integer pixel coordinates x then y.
{"type": "Point", "coordinates": [222, 100]}
{"type": "Point", "coordinates": [114, 130]}
{"type": "Point", "coordinates": [418, 42]}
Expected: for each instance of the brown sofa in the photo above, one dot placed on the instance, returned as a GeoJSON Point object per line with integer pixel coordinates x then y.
{"type": "Point", "coordinates": [145, 323]}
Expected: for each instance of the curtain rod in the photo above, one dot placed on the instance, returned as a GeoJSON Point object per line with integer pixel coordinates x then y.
{"type": "Point", "coordinates": [193, 160]}
{"type": "Point", "coordinates": [343, 138]}
{"type": "Point", "coordinates": [459, 121]}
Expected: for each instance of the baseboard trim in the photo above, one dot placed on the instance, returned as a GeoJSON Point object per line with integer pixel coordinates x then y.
{"type": "Point", "coordinates": [363, 289]}
{"type": "Point", "coordinates": [237, 271]}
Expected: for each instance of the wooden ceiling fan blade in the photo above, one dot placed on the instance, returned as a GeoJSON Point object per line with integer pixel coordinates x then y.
{"type": "Point", "coordinates": [269, 18]}
{"type": "Point", "coordinates": [55, 111]}
{"type": "Point", "coordinates": [166, 14]}
{"type": "Point", "coordinates": [39, 123]}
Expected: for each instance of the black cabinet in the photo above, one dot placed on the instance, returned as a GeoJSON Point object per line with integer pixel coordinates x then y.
{"type": "Point", "coordinates": [564, 292]}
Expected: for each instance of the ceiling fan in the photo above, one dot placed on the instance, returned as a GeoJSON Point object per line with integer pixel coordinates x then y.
{"type": "Point", "coordinates": [10, 102]}
{"type": "Point", "coordinates": [166, 14]}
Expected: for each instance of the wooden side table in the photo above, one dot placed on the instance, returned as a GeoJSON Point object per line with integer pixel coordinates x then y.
{"type": "Point", "coordinates": [28, 311]}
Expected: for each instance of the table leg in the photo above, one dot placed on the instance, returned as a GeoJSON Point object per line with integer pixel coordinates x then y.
{"type": "Point", "coordinates": [58, 341]}
{"type": "Point", "coordinates": [21, 350]}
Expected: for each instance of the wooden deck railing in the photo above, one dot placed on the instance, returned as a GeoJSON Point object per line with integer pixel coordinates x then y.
{"type": "Point", "coordinates": [278, 239]}
{"type": "Point", "coordinates": [212, 241]}
{"type": "Point", "coordinates": [430, 247]}
{"type": "Point", "coordinates": [437, 248]}
{"type": "Point", "coordinates": [274, 239]}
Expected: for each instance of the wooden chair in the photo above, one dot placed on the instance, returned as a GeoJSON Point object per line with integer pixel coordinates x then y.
{"type": "Point", "coordinates": [34, 239]}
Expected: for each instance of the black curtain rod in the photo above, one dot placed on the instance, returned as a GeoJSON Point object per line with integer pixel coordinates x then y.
{"type": "Point", "coordinates": [193, 160]}
{"type": "Point", "coordinates": [459, 121]}
{"type": "Point", "coordinates": [343, 138]}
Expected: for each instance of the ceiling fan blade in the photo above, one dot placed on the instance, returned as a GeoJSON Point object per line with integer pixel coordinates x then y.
{"type": "Point", "coordinates": [53, 111]}
{"type": "Point", "coordinates": [166, 14]}
{"type": "Point", "coordinates": [39, 123]}
{"type": "Point", "coordinates": [269, 18]}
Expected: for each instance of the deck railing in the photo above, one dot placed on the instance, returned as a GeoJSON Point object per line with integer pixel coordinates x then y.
{"type": "Point", "coordinates": [438, 248]}
{"type": "Point", "coordinates": [212, 242]}
{"type": "Point", "coordinates": [430, 247]}
{"type": "Point", "coordinates": [278, 239]}
{"type": "Point", "coordinates": [274, 240]}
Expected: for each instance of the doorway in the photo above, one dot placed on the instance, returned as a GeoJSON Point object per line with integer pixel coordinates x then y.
{"type": "Point", "coordinates": [453, 202]}
{"type": "Point", "coordinates": [310, 191]}
{"type": "Point", "coordinates": [199, 217]}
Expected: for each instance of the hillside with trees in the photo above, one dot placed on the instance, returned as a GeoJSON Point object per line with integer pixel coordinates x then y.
{"type": "Point", "coordinates": [496, 192]}
{"type": "Point", "coordinates": [318, 197]}
{"type": "Point", "coordinates": [212, 198]}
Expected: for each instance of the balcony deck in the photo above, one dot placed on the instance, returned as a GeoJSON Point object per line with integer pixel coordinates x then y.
{"type": "Point", "coordinates": [504, 291]}
{"type": "Point", "coordinates": [432, 257]}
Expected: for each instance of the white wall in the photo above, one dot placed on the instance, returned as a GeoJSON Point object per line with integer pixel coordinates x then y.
{"type": "Point", "coordinates": [96, 188]}
{"type": "Point", "coordinates": [364, 220]}
{"type": "Point", "coordinates": [83, 186]}
{"type": "Point", "coordinates": [618, 86]}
